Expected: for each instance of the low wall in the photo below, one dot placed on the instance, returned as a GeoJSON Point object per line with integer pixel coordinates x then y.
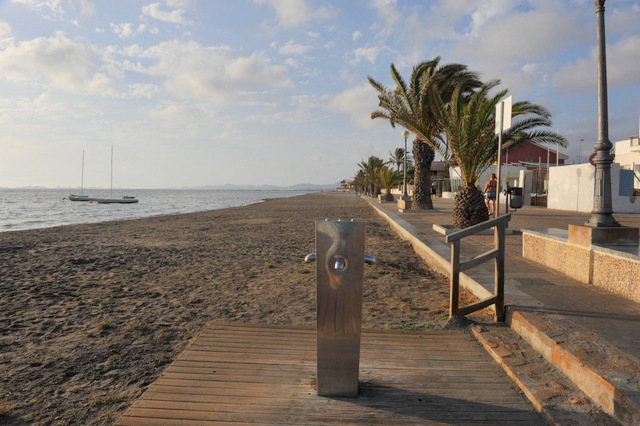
{"type": "Point", "coordinates": [571, 188]}
{"type": "Point", "coordinates": [612, 270]}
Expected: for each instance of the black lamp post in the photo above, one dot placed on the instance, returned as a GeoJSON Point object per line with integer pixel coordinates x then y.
{"type": "Point", "coordinates": [405, 195]}
{"type": "Point", "coordinates": [602, 213]}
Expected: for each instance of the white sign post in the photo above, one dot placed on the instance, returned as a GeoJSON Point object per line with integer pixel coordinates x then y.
{"type": "Point", "coordinates": [503, 122]}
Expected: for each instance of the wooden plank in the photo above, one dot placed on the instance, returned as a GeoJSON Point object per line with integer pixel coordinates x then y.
{"type": "Point", "coordinates": [458, 235]}
{"type": "Point", "coordinates": [267, 375]}
{"type": "Point", "coordinates": [466, 310]}
{"type": "Point", "coordinates": [479, 259]}
{"type": "Point", "coordinates": [454, 287]}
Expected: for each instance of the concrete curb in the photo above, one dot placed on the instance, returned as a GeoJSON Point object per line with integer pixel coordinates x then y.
{"type": "Point", "coordinates": [615, 397]}
{"type": "Point", "coordinates": [557, 399]}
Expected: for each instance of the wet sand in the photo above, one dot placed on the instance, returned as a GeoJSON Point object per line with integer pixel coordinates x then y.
{"type": "Point", "coordinates": [91, 314]}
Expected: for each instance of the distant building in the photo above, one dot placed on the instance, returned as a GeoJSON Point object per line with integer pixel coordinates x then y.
{"type": "Point", "coordinates": [627, 154]}
{"type": "Point", "coordinates": [438, 169]}
{"type": "Point", "coordinates": [529, 152]}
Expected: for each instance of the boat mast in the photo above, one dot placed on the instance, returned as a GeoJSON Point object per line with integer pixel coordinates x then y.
{"type": "Point", "coordinates": [82, 176]}
{"type": "Point", "coordinates": [112, 171]}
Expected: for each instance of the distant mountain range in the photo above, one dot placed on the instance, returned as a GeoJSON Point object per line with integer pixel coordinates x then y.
{"type": "Point", "coordinates": [298, 187]}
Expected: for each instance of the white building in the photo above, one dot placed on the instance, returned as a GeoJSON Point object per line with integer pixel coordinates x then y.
{"type": "Point", "coordinates": [571, 187]}
{"type": "Point", "coordinates": [628, 156]}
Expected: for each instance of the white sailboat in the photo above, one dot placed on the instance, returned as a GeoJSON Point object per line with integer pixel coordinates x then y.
{"type": "Point", "coordinates": [126, 199]}
{"type": "Point", "coordinates": [81, 196]}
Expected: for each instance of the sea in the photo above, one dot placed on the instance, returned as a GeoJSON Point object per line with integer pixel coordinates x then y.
{"type": "Point", "coordinates": [43, 208]}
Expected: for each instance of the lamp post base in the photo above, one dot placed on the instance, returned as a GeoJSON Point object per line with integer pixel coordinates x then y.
{"type": "Point", "coordinates": [404, 204]}
{"type": "Point", "coordinates": [617, 235]}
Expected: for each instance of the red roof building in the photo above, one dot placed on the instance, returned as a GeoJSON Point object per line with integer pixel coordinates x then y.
{"type": "Point", "coordinates": [529, 152]}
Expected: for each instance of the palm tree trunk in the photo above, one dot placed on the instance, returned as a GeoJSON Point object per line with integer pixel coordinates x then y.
{"type": "Point", "coordinates": [469, 208]}
{"type": "Point", "coordinates": [423, 156]}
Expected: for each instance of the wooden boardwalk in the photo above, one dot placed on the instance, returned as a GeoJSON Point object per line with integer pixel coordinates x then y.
{"type": "Point", "coordinates": [265, 374]}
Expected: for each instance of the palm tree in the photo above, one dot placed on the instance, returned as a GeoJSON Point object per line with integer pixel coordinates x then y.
{"type": "Point", "coordinates": [468, 121]}
{"type": "Point", "coordinates": [359, 182]}
{"type": "Point", "coordinates": [411, 106]}
{"type": "Point", "coordinates": [397, 158]}
{"type": "Point", "coordinates": [388, 178]}
{"type": "Point", "coordinates": [369, 169]}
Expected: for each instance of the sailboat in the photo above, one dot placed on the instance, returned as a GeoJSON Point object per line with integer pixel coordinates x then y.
{"type": "Point", "coordinates": [126, 199]}
{"type": "Point", "coordinates": [81, 197]}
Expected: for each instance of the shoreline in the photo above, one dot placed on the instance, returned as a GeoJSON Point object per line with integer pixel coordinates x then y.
{"type": "Point", "coordinates": [150, 208]}
{"type": "Point", "coordinates": [91, 314]}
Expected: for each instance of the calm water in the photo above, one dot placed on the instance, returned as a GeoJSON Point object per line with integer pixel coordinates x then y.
{"type": "Point", "coordinates": [43, 208]}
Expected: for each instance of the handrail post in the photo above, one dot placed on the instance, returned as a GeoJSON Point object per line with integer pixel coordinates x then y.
{"type": "Point", "coordinates": [498, 236]}
{"type": "Point", "coordinates": [455, 278]}
{"type": "Point", "coordinates": [498, 253]}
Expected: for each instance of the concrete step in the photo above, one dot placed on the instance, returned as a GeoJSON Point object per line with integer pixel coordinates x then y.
{"type": "Point", "coordinates": [609, 377]}
{"type": "Point", "coordinates": [552, 394]}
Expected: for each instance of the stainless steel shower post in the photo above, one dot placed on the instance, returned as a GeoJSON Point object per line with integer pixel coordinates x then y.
{"type": "Point", "coordinates": [340, 262]}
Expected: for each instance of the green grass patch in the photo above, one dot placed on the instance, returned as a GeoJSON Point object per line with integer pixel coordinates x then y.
{"type": "Point", "coordinates": [100, 400]}
{"type": "Point", "coordinates": [302, 271]}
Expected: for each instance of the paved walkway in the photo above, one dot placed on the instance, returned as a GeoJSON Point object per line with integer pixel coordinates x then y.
{"type": "Point", "coordinates": [589, 334]}
{"type": "Point", "coordinates": [614, 318]}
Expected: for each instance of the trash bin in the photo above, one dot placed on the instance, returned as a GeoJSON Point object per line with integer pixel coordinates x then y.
{"type": "Point", "coordinates": [516, 200]}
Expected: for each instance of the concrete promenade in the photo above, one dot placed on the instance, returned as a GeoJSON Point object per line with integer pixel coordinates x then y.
{"type": "Point", "coordinates": [590, 335]}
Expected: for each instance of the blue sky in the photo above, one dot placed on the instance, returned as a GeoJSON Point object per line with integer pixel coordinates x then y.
{"type": "Point", "coordinates": [275, 92]}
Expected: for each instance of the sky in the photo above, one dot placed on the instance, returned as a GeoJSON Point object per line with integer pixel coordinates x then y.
{"type": "Point", "coordinates": [250, 92]}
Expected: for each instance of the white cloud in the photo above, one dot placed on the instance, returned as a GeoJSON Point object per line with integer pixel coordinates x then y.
{"type": "Point", "coordinates": [388, 15]}
{"type": "Point", "coordinates": [313, 34]}
{"type": "Point", "coordinates": [291, 48]}
{"type": "Point", "coordinates": [5, 29]}
{"type": "Point", "coordinates": [215, 73]}
{"type": "Point", "coordinates": [59, 8]}
{"type": "Point", "coordinates": [141, 90]}
{"type": "Point", "coordinates": [622, 58]}
{"type": "Point", "coordinates": [293, 63]}
{"type": "Point", "coordinates": [356, 35]}
{"type": "Point", "coordinates": [126, 30]}
{"type": "Point", "coordinates": [122, 30]}
{"type": "Point", "coordinates": [368, 53]}
{"type": "Point", "coordinates": [358, 102]}
{"type": "Point", "coordinates": [175, 16]}
{"type": "Point", "coordinates": [57, 60]}
{"type": "Point", "coordinates": [292, 13]}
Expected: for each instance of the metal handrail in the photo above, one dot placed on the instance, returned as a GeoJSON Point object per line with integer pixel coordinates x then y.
{"type": "Point", "coordinates": [498, 253]}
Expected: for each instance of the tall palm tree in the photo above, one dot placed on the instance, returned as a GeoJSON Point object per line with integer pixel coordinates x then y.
{"type": "Point", "coordinates": [468, 122]}
{"type": "Point", "coordinates": [411, 106]}
{"type": "Point", "coordinates": [388, 178]}
{"type": "Point", "coordinates": [369, 169]}
{"type": "Point", "coordinates": [397, 158]}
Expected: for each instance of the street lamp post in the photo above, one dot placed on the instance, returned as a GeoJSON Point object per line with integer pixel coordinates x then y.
{"type": "Point", "coordinates": [405, 195]}
{"type": "Point", "coordinates": [602, 213]}
{"type": "Point", "coordinates": [580, 150]}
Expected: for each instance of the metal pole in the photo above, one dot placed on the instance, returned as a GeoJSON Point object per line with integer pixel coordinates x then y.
{"type": "Point", "coordinates": [499, 159]}
{"type": "Point", "coordinates": [405, 195]}
{"type": "Point", "coordinates": [602, 213]}
{"type": "Point", "coordinates": [111, 170]}
{"type": "Point", "coordinates": [82, 178]}
{"type": "Point", "coordinates": [580, 150]}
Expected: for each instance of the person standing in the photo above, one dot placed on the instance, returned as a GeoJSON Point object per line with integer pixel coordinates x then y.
{"type": "Point", "coordinates": [490, 190]}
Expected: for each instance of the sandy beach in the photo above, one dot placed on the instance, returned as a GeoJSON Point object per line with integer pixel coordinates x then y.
{"type": "Point", "coordinates": [90, 315]}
